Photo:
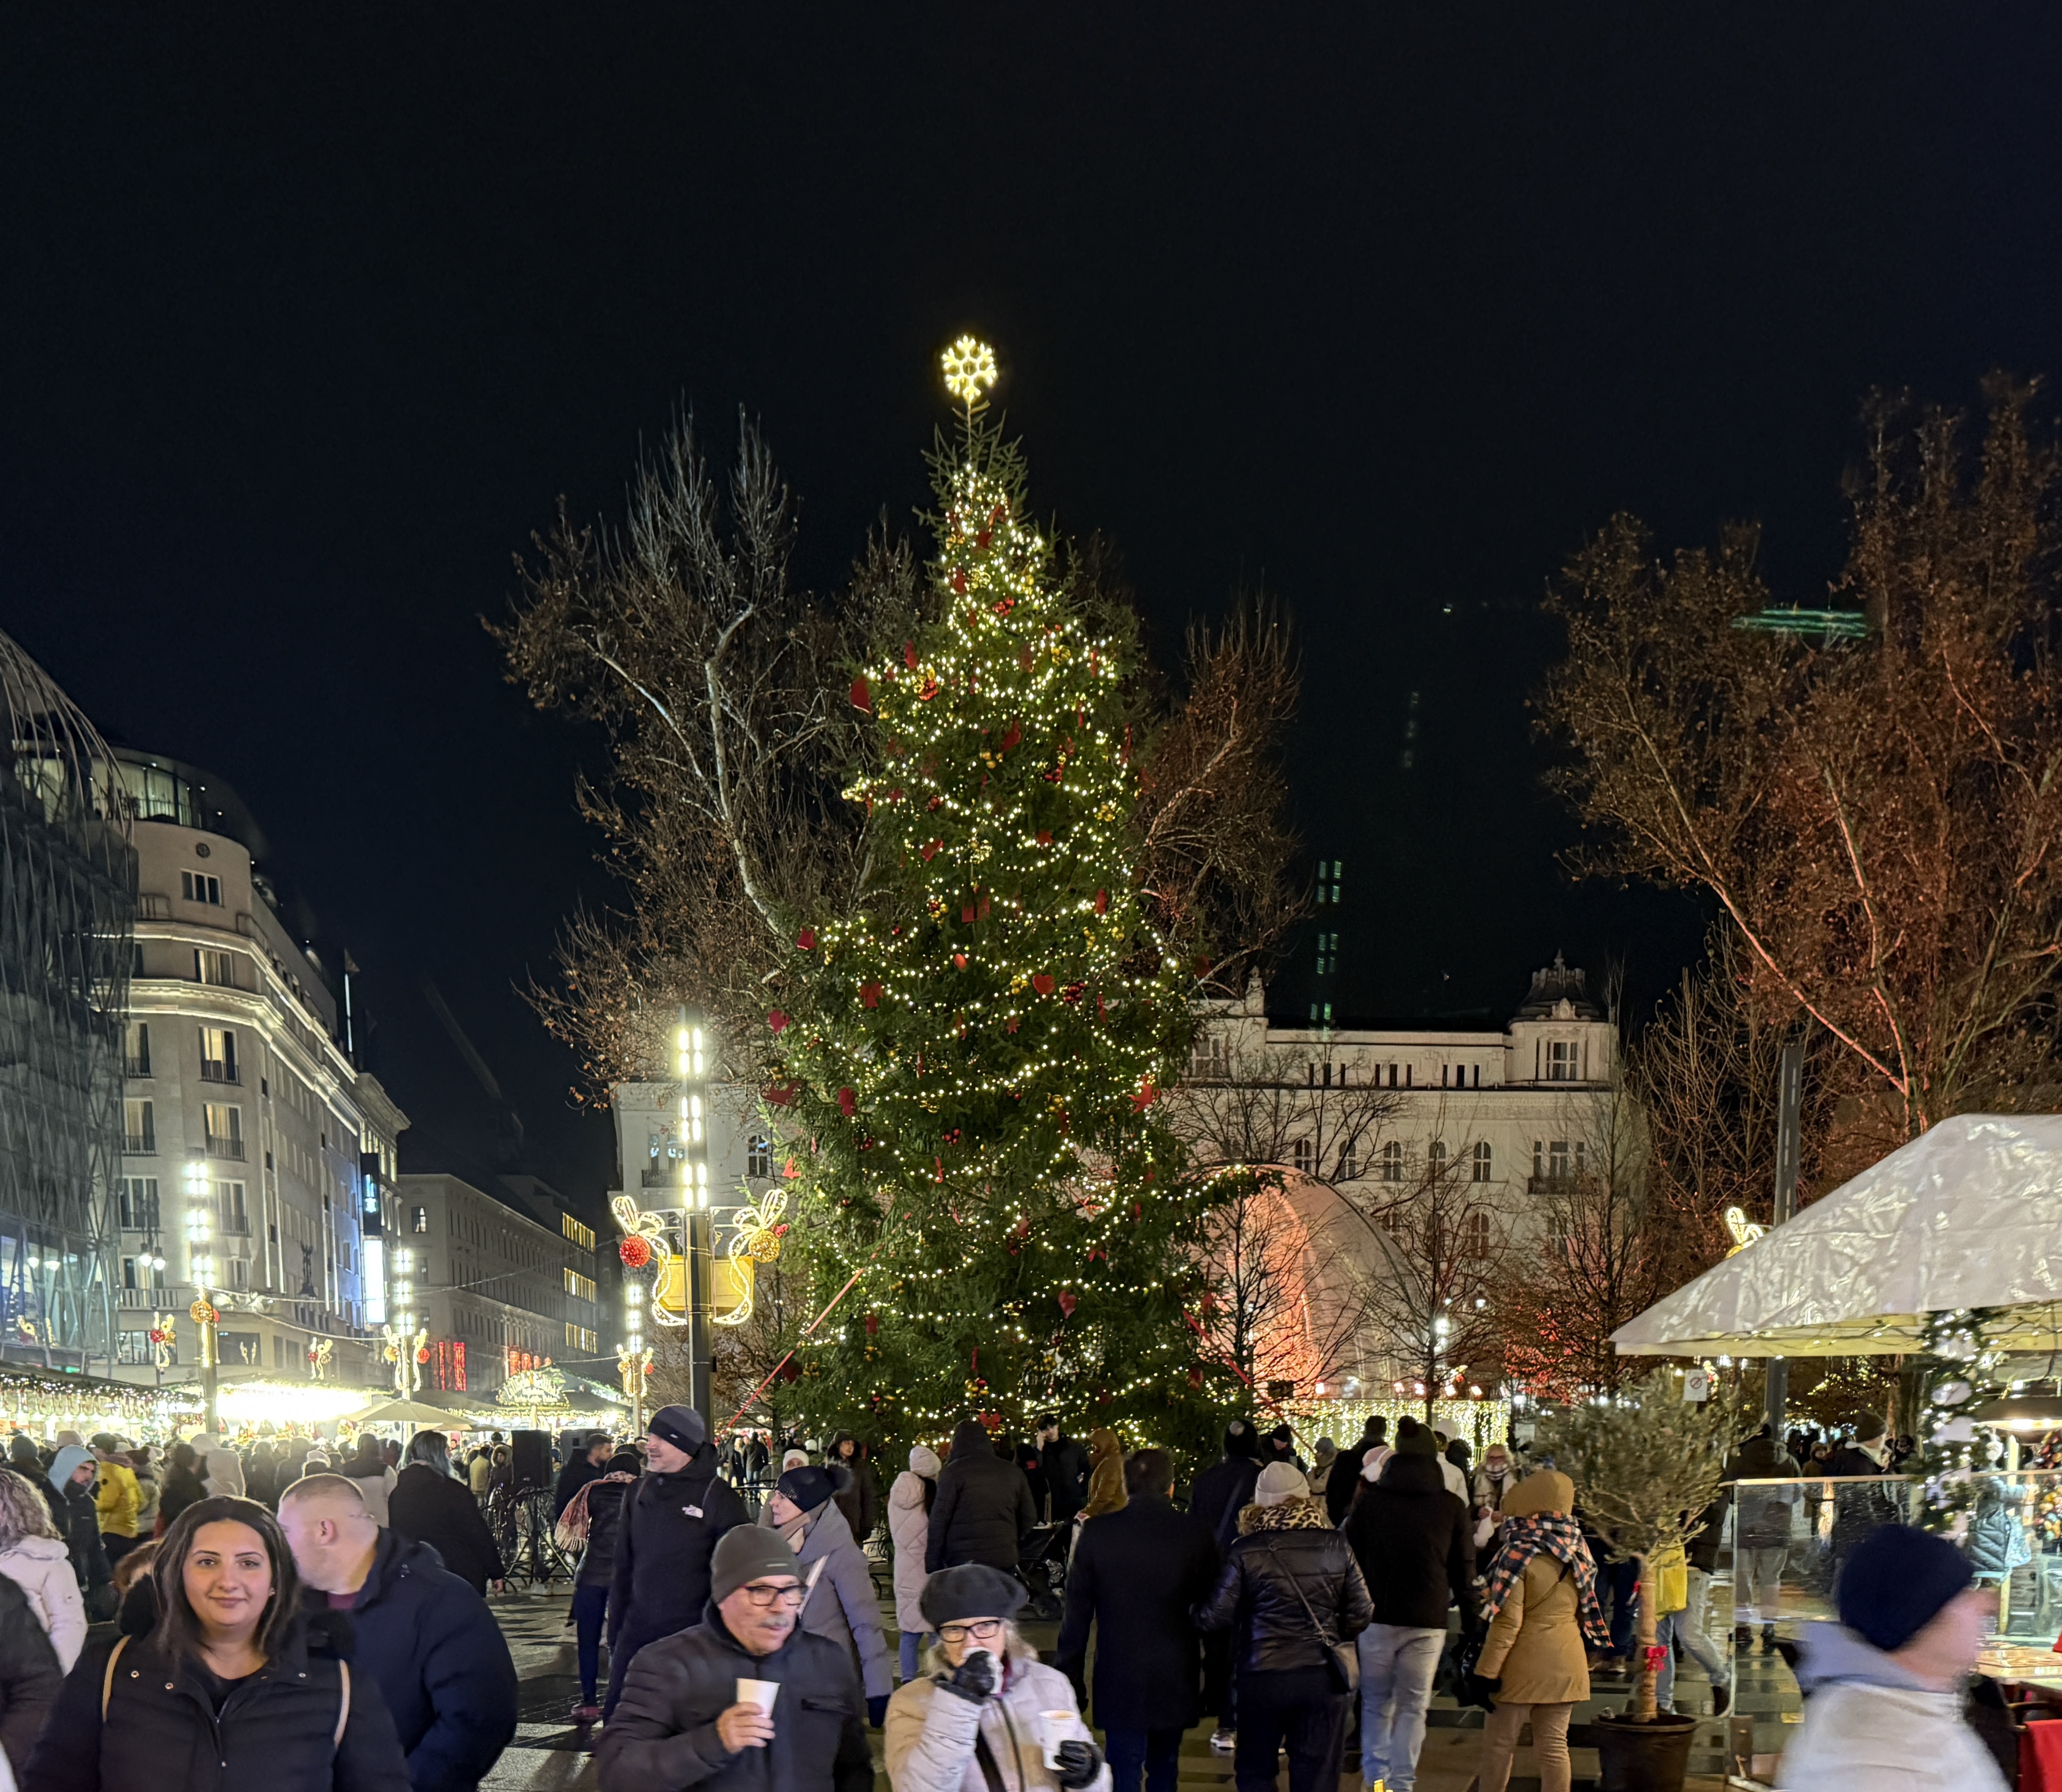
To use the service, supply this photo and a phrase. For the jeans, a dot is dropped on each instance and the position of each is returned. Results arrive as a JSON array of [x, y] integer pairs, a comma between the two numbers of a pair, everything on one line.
[[590, 1605], [1758, 1575], [1155, 1754], [1688, 1628], [1397, 1663], [1619, 1582], [1550, 1746], [912, 1649], [1314, 1730]]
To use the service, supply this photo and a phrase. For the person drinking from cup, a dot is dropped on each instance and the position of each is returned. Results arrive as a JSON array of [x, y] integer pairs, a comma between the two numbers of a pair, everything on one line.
[[987, 1714], [746, 1698]]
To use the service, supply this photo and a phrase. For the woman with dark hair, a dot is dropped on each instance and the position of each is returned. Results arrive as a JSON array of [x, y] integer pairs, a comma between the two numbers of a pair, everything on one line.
[[427, 1505], [233, 1672], [182, 1487]]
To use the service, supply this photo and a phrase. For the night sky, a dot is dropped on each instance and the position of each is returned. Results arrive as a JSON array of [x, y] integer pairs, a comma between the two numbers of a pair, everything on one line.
[[307, 315]]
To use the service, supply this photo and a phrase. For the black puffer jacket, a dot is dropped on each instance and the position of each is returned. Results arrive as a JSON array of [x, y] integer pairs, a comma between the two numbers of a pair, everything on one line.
[[604, 1524], [29, 1676], [1287, 1557], [276, 1729], [1415, 1544], [983, 1511], [669, 1529], [1225, 1489], [433, 1508]]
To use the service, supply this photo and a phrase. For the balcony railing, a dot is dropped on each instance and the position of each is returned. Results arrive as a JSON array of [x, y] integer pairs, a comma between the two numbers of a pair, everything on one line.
[[215, 1070], [237, 1225], [146, 1299], [217, 1147], [136, 1066], [139, 1145]]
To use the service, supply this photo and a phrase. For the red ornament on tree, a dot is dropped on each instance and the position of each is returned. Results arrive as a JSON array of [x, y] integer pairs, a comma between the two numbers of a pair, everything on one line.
[[1102, 902], [1042, 982], [807, 939], [848, 1103], [870, 995], [862, 695], [776, 1019], [1068, 1303], [909, 654], [636, 1252], [873, 1324]]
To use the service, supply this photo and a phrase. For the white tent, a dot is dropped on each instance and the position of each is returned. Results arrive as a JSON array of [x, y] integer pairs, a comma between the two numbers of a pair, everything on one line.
[[1968, 1215]]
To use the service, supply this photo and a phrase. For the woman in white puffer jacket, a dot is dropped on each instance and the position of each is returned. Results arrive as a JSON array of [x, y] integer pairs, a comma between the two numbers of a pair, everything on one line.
[[909, 1529], [34, 1557]]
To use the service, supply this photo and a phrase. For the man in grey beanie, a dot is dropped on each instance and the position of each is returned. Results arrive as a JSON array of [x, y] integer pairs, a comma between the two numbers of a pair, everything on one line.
[[681, 1720]]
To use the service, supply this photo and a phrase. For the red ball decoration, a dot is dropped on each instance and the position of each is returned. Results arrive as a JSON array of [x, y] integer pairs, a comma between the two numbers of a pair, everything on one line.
[[636, 1252]]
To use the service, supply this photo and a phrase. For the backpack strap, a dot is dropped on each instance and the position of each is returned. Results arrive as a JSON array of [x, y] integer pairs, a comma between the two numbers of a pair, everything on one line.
[[343, 1712], [107, 1679]]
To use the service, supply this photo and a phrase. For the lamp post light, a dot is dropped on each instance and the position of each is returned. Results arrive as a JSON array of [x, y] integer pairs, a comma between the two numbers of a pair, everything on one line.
[[405, 1342], [691, 1070], [200, 1260]]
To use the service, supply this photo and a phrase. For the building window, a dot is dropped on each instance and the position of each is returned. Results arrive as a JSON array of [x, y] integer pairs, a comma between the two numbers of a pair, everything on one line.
[[218, 1054], [580, 1287], [1557, 1159], [1481, 1159], [1435, 1158], [224, 1126], [1561, 1060], [137, 1197], [1302, 1150], [239, 1273], [1348, 1164], [217, 967], [136, 1049], [139, 1128], [758, 1154], [1392, 1161], [229, 1201], [578, 1337], [418, 1219], [1210, 1059], [575, 1233], [200, 886], [1474, 1233], [135, 1347]]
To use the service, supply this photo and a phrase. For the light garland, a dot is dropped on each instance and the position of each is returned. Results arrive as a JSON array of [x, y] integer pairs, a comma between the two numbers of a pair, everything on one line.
[[1955, 1447]]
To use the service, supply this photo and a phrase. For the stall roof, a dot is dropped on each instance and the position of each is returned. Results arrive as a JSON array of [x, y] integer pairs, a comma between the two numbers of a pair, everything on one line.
[[1968, 1215]]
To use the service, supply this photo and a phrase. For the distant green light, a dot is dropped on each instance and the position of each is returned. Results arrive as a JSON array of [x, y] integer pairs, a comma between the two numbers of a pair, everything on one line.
[[1827, 625]]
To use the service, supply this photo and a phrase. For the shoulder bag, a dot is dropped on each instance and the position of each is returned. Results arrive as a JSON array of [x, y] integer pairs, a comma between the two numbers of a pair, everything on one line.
[[1343, 1659]]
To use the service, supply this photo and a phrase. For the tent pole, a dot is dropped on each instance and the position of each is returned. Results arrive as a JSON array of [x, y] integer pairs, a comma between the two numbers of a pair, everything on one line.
[[1789, 1149]]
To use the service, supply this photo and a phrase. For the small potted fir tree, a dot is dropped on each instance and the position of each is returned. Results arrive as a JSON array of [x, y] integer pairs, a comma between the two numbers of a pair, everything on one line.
[[1646, 1463]]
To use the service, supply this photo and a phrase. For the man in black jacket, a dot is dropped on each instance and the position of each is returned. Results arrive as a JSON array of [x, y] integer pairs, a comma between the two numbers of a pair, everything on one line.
[[583, 1466], [679, 1721], [982, 1511], [443, 1665], [1415, 1545], [672, 1519], [1066, 1466], [431, 1507], [1221, 1493], [1138, 1573], [1345, 1473]]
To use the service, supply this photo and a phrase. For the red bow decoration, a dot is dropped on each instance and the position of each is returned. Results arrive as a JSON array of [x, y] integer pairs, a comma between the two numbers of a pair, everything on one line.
[[807, 939], [776, 1021], [959, 581], [929, 850], [848, 1103], [781, 1094], [862, 694], [1068, 1303], [870, 995]]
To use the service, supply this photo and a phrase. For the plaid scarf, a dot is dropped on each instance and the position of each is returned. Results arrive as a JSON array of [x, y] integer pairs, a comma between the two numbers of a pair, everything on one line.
[[1550, 1534]]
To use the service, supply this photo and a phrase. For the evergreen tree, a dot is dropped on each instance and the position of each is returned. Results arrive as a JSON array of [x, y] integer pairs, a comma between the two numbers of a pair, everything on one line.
[[975, 1055]]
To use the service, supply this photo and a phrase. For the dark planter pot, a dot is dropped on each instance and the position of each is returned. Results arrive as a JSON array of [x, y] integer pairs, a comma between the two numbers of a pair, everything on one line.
[[1643, 1757]]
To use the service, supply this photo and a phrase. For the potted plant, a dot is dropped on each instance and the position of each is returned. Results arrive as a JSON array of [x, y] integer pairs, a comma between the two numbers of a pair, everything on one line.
[[1645, 1463]]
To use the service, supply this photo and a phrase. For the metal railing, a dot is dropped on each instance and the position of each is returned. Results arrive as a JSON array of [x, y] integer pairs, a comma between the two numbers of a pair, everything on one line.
[[219, 1147], [139, 1145], [215, 1070]]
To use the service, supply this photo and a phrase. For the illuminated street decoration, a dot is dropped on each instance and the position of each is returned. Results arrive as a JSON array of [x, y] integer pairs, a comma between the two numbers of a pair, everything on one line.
[[1744, 1230], [969, 365]]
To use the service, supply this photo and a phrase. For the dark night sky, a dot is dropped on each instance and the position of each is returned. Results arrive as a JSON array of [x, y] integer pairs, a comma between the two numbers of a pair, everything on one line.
[[309, 314]]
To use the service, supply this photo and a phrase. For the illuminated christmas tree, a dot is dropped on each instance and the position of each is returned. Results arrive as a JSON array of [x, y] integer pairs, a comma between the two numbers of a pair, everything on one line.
[[975, 1057]]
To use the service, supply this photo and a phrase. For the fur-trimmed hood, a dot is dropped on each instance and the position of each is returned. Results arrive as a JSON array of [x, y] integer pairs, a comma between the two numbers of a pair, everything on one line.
[[1290, 1515]]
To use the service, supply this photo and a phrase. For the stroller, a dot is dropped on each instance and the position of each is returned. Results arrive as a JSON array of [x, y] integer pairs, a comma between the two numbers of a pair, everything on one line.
[[1042, 1568]]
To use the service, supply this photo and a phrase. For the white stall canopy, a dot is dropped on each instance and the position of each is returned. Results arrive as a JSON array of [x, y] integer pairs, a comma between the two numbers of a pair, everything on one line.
[[1968, 1215]]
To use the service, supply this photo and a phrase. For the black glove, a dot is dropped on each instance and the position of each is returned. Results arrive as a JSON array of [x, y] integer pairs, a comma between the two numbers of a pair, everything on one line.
[[877, 1711], [1482, 1687], [1080, 1762], [973, 1680]]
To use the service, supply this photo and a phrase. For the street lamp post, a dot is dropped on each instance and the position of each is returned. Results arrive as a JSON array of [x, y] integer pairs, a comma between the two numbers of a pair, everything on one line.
[[692, 1068], [200, 1256]]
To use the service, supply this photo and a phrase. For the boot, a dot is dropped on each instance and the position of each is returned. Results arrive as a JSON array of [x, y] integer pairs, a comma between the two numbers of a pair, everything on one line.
[[1722, 1698], [1768, 1639]]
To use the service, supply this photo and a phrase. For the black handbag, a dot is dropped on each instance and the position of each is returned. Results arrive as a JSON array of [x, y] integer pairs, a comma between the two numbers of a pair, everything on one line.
[[1343, 1659]]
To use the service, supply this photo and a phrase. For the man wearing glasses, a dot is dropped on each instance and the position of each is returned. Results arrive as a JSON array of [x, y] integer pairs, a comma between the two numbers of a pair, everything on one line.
[[695, 1709]]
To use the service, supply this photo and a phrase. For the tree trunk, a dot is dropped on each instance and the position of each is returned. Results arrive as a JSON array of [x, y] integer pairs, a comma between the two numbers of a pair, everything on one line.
[[1644, 1705]]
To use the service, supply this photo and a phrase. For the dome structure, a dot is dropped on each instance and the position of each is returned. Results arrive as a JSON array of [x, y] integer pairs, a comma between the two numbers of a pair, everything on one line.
[[67, 909]]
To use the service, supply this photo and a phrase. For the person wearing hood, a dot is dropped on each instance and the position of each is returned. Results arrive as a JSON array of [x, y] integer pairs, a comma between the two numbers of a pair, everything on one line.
[[431, 1507], [1540, 1597], [221, 1467], [596, 1512], [983, 1512], [1291, 1593], [1884, 1686], [909, 1502], [1342, 1480], [181, 1485], [1221, 1493], [840, 1602], [34, 1557], [859, 1498], [672, 1520], [1323, 1453], [442, 1664], [367, 1465], [116, 1497], [680, 1722], [1415, 1547], [1106, 1492], [148, 1490], [1493, 1479], [78, 1519], [1066, 1468]]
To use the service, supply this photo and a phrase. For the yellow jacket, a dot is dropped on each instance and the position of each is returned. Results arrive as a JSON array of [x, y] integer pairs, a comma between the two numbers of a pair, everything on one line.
[[118, 1498], [1670, 1571]]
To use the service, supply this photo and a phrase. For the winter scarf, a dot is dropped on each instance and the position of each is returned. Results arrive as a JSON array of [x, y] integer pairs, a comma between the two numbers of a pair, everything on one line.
[[1548, 1533], [573, 1523]]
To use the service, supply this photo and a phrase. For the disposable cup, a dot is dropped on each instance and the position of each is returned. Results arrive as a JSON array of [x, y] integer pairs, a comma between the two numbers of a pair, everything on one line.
[[760, 1693], [1054, 1728]]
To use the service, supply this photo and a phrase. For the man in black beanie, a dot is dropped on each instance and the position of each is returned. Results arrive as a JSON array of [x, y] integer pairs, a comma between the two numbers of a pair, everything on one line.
[[672, 1520], [1886, 1683], [1346, 1466]]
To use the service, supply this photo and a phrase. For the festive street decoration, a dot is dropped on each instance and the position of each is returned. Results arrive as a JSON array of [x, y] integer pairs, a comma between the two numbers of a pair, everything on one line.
[[646, 1242], [321, 1353], [754, 1239], [1961, 1368], [405, 1354], [164, 1340]]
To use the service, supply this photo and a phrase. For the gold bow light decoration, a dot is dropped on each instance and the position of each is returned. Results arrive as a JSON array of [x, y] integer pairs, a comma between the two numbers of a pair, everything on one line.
[[755, 1240], [645, 1241], [1744, 1230], [633, 1366], [320, 1355], [404, 1353], [164, 1339]]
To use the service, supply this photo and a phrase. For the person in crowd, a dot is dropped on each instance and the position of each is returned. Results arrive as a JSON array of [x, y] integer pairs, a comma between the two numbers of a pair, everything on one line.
[[431, 1507], [1493, 1479], [1292, 1593], [1221, 1493], [443, 1668], [137, 1593], [1540, 1597], [1457, 1481], [34, 1557], [392, 1450], [597, 1510], [589, 1462], [1860, 1510], [146, 1472], [1281, 1445], [235, 1686], [1342, 1480], [78, 1519], [367, 1465], [1761, 1537], [1066, 1465], [860, 1499], [116, 1496], [672, 1521], [1415, 1544], [794, 1456], [22, 1456], [1106, 1481], [181, 1485], [1668, 1573], [841, 1604], [1137, 1575], [1884, 1686], [756, 1460], [501, 1471], [261, 1474], [983, 1512], [30, 1678], [909, 1502], [1026, 1457], [989, 1700], [1702, 1562], [1323, 1453], [222, 1469], [679, 1721], [1461, 1455], [479, 1466]]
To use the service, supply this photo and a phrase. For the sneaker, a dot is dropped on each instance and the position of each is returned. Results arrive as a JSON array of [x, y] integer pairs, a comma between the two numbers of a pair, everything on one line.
[[1223, 1741], [587, 1713], [1722, 1697], [1743, 1637], [1768, 1639]]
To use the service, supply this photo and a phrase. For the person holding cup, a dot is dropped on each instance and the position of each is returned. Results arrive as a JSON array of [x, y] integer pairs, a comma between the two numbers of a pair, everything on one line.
[[746, 1698], [989, 1715]]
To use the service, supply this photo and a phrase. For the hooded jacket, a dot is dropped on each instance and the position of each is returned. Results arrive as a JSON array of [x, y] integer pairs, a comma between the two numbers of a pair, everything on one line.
[[429, 1506], [983, 1511], [909, 1529], [116, 1497], [1415, 1545], [1287, 1557], [1764, 1519], [76, 1516], [1342, 1477], [41, 1566], [375, 1483], [1105, 1474], [1870, 1727], [1225, 1489]]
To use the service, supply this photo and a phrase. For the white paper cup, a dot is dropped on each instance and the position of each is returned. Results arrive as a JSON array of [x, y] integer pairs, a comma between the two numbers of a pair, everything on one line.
[[1054, 1728], [760, 1693]]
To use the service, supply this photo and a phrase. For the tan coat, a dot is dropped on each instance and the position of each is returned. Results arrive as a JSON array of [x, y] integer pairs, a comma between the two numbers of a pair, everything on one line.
[[1535, 1642]]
